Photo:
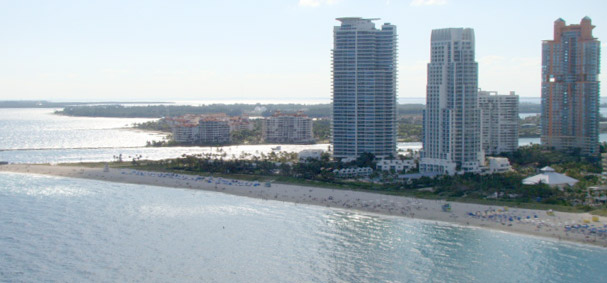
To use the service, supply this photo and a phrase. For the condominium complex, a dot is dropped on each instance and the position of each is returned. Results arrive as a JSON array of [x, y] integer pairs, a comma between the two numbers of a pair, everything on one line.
[[241, 123], [201, 129], [213, 131], [288, 128], [452, 128], [364, 89], [570, 88], [499, 121]]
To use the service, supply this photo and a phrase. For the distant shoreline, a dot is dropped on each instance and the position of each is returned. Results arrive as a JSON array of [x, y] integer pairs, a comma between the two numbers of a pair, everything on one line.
[[10, 104], [539, 222]]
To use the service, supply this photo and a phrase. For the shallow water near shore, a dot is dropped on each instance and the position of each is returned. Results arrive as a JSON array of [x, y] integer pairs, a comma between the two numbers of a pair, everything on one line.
[[63, 229]]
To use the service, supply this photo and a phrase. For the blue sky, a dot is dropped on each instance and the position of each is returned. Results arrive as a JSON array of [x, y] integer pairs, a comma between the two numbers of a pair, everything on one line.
[[263, 50]]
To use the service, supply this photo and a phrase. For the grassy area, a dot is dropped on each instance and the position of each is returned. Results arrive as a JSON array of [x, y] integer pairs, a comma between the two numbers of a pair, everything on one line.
[[599, 212]]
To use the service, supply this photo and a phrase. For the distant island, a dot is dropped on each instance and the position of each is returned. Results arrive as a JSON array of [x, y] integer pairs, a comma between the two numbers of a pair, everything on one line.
[[159, 111], [409, 116], [49, 104]]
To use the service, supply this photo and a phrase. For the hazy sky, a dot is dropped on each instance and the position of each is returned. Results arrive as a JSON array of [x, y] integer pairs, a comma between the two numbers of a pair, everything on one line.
[[262, 50]]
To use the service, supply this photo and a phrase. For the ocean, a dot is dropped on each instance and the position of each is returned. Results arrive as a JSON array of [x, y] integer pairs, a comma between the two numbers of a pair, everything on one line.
[[75, 230], [64, 229]]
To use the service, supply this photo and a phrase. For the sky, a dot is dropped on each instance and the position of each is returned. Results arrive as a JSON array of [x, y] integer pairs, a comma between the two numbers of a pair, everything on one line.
[[256, 51]]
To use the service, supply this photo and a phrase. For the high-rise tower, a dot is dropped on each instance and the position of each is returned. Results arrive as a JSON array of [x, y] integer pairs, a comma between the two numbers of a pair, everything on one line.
[[452, 128], [499, 121], [570, 88], [364, 89]]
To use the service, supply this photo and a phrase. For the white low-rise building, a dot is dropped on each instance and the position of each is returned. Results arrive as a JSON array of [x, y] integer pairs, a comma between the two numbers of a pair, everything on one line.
[[550, 177], [310, 154], [353, 172], [395, 165], [498, 165]]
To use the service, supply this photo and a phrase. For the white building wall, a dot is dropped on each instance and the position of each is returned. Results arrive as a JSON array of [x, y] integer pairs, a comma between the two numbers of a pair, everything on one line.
[[310, 153], [288, 129], [498, 164], [452, 129], [213, 132], [185, 134], [396, 165], [499, 122], [364, 89]]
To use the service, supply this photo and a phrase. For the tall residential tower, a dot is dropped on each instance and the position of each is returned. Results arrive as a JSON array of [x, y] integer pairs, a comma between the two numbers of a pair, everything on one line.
[[452, 128], [364, 89], [570, 88], [499, 121]]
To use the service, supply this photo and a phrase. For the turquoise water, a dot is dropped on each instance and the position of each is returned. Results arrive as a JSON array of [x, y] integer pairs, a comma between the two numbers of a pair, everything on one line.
[[62, 229]]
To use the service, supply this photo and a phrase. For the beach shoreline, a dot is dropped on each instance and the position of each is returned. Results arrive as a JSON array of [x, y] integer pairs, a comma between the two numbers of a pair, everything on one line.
[[565, 226]]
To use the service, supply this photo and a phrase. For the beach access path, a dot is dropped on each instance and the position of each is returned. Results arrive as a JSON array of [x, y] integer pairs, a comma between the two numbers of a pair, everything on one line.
[[576, 227]]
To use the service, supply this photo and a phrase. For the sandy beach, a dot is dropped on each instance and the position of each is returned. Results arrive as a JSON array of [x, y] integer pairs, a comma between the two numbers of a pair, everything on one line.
[[575, 227]]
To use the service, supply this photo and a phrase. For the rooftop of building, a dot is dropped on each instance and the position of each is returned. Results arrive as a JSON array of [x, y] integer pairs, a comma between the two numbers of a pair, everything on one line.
[[494, 93], [550, 177], [297, 114], [452, 34], [584, 27]]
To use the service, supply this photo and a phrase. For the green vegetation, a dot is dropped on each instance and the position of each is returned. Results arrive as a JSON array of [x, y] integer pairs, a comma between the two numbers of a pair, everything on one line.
[[410, 128], [410, 109], [496, 189], [322, 130], [535, 156], [600, 212], [248, 136], [159, 125], [158, 111], [507, 188], [529, 127]]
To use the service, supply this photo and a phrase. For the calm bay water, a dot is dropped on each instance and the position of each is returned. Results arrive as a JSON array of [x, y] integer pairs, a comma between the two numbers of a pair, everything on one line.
[[41, 129], [62, 229], [39, 136]]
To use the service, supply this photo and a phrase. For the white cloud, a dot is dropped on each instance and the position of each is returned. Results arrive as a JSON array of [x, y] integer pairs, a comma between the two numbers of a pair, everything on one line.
[[316, 3], [417, 3]]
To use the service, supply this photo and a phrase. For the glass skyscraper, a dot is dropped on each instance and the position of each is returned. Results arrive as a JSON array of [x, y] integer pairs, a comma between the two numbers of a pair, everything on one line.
[[570, 88], [452, 128], [364, 89]]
